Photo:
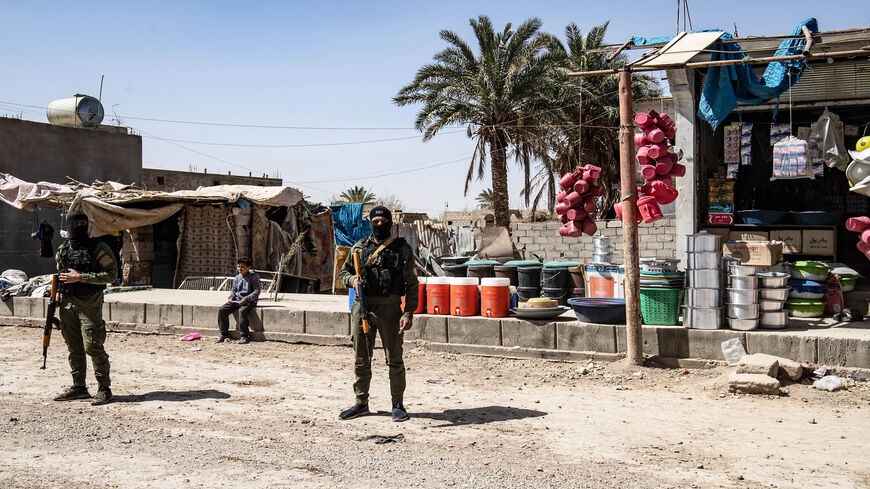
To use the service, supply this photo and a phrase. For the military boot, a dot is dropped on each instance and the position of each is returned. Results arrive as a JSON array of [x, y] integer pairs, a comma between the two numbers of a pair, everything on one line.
[[73, 393], [104, 396]]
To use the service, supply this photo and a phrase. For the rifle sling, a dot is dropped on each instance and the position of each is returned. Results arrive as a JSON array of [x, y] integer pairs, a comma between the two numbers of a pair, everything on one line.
[[378, 251]]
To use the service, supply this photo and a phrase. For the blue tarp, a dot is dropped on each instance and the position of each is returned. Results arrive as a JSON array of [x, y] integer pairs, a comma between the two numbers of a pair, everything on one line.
[[724, 86], [349, 224]]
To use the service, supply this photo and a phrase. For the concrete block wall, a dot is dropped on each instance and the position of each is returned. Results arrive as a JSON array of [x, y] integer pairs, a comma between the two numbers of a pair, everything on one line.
[[656, 240]]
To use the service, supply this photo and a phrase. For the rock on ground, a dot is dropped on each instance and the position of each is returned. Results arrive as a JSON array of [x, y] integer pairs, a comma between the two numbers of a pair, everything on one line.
[[758, 363], [752, 383]]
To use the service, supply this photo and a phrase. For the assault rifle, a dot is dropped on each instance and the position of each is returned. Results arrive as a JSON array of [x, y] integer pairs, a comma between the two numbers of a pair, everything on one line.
[[50, 320], [363, 310]]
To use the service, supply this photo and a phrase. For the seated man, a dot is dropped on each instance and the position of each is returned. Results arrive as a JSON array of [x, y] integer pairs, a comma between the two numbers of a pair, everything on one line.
[[246, 291]]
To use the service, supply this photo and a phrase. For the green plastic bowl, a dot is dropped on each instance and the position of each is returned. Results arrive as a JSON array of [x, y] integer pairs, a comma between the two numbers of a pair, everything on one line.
[[561, 264], [847, 283], [805, 308], [810, 270]]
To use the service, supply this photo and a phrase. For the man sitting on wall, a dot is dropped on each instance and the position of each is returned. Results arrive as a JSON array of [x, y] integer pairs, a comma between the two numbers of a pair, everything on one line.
[[246, 291]]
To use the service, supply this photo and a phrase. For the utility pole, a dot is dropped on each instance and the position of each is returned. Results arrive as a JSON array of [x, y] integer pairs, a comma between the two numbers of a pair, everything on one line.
[[627, 174]]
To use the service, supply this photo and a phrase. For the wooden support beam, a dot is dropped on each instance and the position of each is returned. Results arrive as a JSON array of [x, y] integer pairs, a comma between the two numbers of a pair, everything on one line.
[[808, 36], [622, 48], [628, 196]]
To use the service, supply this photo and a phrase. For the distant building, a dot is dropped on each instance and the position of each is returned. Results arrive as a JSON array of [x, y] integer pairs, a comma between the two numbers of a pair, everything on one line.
[[35, 151], [172, 180]]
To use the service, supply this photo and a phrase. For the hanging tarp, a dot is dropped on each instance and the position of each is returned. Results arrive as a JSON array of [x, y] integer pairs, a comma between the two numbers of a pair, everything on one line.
[[319, 264], [107, 218], [348, 224], [205, 242], [15, 191], [724, 86]]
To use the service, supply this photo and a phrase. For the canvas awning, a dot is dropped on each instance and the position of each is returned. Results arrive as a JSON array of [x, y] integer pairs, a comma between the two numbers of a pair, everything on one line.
[[683, 47]]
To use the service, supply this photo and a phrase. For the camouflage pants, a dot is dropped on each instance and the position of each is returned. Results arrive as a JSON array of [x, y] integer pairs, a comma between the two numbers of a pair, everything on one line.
[[383, 319], [84, 332]]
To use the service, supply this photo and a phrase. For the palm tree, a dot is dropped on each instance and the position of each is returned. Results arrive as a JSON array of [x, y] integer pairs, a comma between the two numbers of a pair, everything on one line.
[[502, 93], [356, 195], [594, 103], [485, 199]]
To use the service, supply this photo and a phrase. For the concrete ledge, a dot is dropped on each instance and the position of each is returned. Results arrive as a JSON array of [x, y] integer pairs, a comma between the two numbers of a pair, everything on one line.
[[474, 331], [28, 307], [577, 336], [651, 338], [708, 343], [516, 352], [126, 312], [429, 328], [783, 344], [7, 307], [164, 314], [281, 320], [844, 351], [327, 323], [528, 334]]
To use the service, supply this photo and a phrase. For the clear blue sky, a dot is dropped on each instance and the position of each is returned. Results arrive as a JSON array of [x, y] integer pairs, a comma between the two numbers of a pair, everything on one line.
[[334, 64]]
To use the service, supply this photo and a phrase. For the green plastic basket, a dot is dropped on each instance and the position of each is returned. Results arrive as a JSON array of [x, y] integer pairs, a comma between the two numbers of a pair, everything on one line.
[[660, 306]]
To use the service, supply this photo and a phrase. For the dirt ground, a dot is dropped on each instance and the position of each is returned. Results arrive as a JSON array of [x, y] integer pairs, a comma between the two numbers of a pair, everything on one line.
[[202, 414]]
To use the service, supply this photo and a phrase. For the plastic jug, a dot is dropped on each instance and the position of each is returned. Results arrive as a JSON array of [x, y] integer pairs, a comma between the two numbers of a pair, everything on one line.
[[649, 209], [438, 295], [463, 296]]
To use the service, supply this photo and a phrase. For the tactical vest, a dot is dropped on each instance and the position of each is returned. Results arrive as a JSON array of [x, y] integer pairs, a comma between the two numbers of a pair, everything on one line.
[[79, 260], [383, 277]]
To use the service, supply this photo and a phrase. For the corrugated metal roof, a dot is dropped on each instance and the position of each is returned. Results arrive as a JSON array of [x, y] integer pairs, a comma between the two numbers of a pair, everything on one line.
[[829, 82]]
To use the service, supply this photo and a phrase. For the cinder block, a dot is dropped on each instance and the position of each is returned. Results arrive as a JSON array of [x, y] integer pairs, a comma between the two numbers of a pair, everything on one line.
[[752, 383], [783, 344], [790, 369], [474, 330], [284, 320], [127, 312], [29, 307], [428, 328], [327, 323], [649, 338], [707, 344], [758, 363], [7, 307], [164, 314], [612, 224], [577, 336], [528, 334], [844, 352]]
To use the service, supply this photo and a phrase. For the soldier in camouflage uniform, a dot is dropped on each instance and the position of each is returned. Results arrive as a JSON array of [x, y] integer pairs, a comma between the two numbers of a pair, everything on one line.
[[387, 277], [86, 265]]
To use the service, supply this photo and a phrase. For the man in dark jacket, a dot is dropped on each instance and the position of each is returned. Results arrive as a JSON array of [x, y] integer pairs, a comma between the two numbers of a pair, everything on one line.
[[86, 265], [388, 271], [244, 295]]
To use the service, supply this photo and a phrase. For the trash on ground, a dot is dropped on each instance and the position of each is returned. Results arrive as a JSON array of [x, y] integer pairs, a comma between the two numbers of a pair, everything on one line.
[[382, 439], [733, 351], [829, 382], [190, 337]]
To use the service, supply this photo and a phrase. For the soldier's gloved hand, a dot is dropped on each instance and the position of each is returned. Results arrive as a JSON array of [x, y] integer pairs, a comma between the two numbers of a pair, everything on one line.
[[405, 324], [70, 277], [356, 284]]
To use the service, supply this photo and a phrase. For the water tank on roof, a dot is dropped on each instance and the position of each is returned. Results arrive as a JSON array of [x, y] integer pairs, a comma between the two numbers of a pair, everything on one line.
[[76, 111]]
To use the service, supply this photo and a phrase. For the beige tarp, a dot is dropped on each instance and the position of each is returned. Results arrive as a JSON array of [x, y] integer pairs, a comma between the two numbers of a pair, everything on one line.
[[108, 218]]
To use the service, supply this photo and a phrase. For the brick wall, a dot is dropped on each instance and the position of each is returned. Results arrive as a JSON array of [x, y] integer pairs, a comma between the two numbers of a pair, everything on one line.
[[656, 240]]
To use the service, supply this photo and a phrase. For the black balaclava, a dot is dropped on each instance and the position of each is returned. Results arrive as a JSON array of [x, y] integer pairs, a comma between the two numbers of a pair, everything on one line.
[[77, 233], [381, 231]]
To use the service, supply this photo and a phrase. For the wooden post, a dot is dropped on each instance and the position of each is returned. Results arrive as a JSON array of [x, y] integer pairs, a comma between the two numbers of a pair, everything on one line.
[[628, 175]]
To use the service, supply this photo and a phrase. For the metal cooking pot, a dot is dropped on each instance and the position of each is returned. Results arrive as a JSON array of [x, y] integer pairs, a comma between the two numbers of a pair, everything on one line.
[[741, 270], [774, 320], [703, 241], [745, 283], [742, 296], [779, 294], [703, 317], [742, 324], [743, 311], [773, 280], [703, 260], [771, 305], [703, 297], [704, 279]]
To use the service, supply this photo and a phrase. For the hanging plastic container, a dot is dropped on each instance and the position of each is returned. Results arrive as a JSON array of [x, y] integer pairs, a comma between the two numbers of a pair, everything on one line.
[[438, 295], [464, 300], [421, 301], [495, 297]]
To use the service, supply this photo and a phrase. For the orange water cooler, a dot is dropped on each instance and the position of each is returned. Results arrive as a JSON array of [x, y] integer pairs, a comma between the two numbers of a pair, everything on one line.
[[464, 300], [438, 295], [495, 297]]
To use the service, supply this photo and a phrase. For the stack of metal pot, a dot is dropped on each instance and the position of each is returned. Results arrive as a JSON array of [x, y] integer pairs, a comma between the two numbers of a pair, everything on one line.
[[774, 292], [601, 250], [742, 300], [704, 281]]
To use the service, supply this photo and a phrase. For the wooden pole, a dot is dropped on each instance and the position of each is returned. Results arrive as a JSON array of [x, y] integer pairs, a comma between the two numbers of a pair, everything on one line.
[[627, 174]]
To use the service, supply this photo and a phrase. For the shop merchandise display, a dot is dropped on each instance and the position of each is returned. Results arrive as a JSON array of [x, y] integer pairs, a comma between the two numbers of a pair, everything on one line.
[[790, 159], [575, 206]]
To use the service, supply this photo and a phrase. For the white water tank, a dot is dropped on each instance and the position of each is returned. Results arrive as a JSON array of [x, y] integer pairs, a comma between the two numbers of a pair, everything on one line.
[[76, 111]]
